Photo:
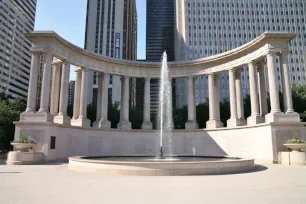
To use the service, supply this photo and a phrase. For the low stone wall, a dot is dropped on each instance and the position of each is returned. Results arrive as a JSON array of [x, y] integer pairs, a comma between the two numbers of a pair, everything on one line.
[[260, 142]]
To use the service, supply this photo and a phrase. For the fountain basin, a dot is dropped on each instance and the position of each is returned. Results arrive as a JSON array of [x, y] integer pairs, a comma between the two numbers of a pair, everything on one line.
[[150, 166]]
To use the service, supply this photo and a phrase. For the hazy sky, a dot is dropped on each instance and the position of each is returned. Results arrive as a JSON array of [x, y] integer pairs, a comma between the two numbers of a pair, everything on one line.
[[68, 19]]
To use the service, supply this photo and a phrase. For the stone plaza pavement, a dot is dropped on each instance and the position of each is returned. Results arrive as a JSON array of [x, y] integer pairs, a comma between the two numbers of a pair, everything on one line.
[[55, 184]]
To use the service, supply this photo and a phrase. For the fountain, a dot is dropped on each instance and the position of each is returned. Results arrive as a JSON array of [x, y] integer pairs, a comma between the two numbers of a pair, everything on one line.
[[161, 164]]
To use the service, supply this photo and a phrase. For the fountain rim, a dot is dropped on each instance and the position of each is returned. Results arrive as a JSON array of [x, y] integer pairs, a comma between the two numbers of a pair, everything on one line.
[[90, 159]]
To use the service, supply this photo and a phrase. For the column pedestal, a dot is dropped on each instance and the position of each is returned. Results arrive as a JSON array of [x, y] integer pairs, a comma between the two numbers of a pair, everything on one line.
[[125, 125], [213, 124], [234, 122], [36, 117], [82, 122], [191, 125], [254, 120], [279, 117], [147, 125], [62, 119]]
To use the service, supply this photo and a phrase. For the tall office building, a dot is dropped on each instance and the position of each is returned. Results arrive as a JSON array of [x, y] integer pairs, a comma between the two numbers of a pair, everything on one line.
[[160, 38], [16, 19], [210, 27], [71, 92], [111, 30]]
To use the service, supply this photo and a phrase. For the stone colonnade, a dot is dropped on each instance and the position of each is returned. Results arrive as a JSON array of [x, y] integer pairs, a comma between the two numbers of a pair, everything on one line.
[[59, 95]]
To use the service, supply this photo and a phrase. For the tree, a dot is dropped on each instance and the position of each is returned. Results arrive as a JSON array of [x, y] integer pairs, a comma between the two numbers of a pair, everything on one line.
[[10, 110]]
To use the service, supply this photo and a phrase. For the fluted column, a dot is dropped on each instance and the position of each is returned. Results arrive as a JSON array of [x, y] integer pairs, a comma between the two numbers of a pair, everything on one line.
[[55, 88], [192, 119], [239, 96], [263, 102], [103, 122], [77, 94], [288, 104], [147, 124], [99, 99], [255, 117], [32, 92], [45, 84], [62, 117], [124, 122], [214, 105], [83, 120], [232, 122]]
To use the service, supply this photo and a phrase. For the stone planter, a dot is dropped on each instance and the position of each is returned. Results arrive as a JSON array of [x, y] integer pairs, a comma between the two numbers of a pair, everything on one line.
[[295, 147], [23, 147]]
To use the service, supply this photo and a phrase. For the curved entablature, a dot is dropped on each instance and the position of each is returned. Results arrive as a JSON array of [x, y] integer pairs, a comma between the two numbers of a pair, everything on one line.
[[51, 42]]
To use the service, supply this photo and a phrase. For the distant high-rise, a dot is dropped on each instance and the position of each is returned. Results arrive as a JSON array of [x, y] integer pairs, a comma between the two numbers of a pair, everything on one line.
[[206, 28], [160, 38], [16, 19], [71, 92], [111, 30]]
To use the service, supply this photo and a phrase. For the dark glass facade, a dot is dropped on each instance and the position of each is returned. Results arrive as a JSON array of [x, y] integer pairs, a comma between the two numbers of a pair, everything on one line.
[[160, 29]]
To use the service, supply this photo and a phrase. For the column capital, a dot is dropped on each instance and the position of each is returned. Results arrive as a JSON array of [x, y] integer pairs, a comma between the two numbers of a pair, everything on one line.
[[260, 63], [284, 53], [57, 61], [272, 52], [78, 69]]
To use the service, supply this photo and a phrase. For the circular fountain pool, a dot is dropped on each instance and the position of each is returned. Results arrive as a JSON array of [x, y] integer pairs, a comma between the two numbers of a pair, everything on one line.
[[167, 166]]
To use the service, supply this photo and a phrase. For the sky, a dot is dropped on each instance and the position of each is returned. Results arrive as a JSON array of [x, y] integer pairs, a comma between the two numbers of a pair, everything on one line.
[[68, 19]]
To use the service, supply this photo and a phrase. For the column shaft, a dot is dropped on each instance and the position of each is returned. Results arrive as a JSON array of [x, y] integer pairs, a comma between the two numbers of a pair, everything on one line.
[[99, 98], [211, 92], [217, 100], [287, 93], [64, 89], [124, 110], [55, 89], [191, 99], [253, 90], [45, 85], [233, 98], [32, 92], [274, 97], [263, 102], [239, 96], [104, 123], [77, 94], [147, 103], [84, 86]]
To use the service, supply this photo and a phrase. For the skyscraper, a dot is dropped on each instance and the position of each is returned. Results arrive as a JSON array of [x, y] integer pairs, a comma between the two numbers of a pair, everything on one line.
[[210, 27], [111, 30], [160, 37], [17, 18]]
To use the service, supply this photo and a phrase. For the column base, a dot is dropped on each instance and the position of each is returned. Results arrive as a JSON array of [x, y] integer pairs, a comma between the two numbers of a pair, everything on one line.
[[103, 124], [283, 117], [125, 125], [213, 124], [254, 120], [63, 120], [235, 122], [147, 125], [191, 125], [81, 122], [36, 117]]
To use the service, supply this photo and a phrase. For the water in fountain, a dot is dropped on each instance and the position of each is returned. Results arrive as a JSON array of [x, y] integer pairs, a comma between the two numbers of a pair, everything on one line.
[[165, 107]]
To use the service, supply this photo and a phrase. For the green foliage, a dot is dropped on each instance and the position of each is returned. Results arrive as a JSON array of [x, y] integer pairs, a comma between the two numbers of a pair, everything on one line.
[[295, 140], [299, 100], [10, 110], [23, 139], [136, 117]]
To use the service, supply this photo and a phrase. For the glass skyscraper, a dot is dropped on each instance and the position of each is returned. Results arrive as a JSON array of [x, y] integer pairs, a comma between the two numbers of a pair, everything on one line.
[[210, 27]]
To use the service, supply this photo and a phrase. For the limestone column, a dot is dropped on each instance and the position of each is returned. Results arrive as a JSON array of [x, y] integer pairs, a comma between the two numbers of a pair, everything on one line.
[[147, 124], [125, 123], [214, 106], [62, 117], [192, 119], [288, 104], [77, 94], [103, 122], [83, 120], [32, 92], [45, 85], [99, 100], [263, 102], [274, 97], [255, 117], [55, 88], [233, 121], [239, 96]]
